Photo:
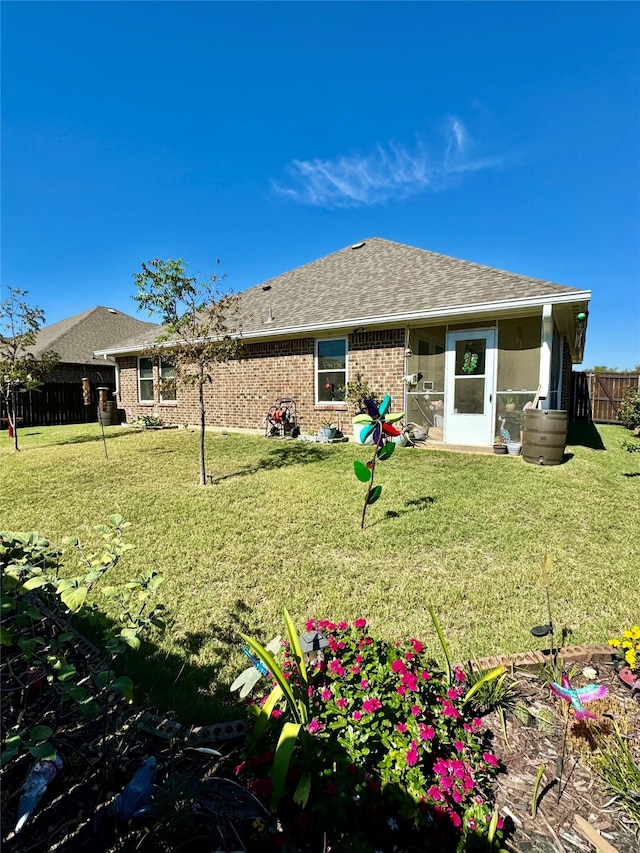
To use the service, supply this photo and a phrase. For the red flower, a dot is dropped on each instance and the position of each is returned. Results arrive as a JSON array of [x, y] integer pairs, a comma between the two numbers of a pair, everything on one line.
[[360, 623]]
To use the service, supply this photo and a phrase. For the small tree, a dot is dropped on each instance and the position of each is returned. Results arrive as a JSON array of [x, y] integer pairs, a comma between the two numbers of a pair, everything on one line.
[[200, 324], [20, 370]]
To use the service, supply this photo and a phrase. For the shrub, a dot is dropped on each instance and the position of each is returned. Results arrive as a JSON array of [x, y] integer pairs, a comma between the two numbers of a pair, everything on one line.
[[629, 411], [391, 749]]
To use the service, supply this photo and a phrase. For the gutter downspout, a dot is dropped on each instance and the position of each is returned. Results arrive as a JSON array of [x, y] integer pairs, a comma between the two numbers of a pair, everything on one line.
[[546, 344]]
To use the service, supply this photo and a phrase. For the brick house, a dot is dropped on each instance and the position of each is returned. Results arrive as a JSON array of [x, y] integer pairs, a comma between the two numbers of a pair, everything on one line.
[[74, 339], [460, 346]]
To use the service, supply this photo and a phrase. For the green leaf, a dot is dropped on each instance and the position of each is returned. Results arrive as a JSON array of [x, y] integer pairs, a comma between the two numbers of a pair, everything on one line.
[[490, 675], [374, 494], [40, 733], [300, 713], [386, 450], [74, 598], [27, 647], [295, 648], [362, 419], [43, 752], [281, 761], [7, 755], [67, 673], [5, 636], [265, 711], [362, 472], [34, 583], [125, 686], [301, 795], [443, 643]]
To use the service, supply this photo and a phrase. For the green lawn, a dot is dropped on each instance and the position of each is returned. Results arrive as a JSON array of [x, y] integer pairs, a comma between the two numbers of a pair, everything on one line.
[[281, 527]]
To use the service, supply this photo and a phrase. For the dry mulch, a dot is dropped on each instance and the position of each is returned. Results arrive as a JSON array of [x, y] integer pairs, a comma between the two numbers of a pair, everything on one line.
[[527, 747]]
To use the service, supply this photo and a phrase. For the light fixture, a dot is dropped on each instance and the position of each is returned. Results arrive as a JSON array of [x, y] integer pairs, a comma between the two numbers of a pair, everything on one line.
[[359, 330]]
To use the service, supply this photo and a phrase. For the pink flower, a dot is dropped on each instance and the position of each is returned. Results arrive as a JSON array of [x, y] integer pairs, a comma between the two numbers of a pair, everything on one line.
[[355, 669], [369, 706], [402, 727], [456, 796], [426, 732], [398, 666], [409, 680], [342, 702], [417, 646], [336, 667], [357, 716], [314, 726], [401, 689], [325, 694], [424, 675], [452, 694], [490, 759], [477, 722], [416, 710], [435, 793], [409, 656], [412, 754], [359, 659], [333, 645], [459, 745], [364, 684], [456, 820], [449, 711], [310, 625], [276, 713], [360, 623], [343, 626], [459, 675]]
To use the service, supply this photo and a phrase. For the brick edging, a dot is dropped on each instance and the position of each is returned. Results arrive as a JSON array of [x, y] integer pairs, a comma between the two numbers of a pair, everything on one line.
[[536, 659]]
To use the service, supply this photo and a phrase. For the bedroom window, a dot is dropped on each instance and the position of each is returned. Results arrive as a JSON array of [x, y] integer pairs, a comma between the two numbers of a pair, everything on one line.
[[145, 380], [331, 370]]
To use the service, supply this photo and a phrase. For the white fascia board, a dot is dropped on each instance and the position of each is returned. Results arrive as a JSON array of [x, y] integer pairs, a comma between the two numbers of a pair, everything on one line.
[[393, 319]]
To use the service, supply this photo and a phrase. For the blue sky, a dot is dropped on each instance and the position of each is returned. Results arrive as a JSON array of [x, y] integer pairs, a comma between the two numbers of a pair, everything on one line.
[[267, 135]]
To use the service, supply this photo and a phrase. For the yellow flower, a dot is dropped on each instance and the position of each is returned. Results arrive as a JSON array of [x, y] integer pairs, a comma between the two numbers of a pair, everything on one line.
[[614, 642]]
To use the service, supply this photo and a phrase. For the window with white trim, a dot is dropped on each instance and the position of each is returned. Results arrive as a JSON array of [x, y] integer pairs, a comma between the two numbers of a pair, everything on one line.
[[331, 369], [145, 380], [167, 382]]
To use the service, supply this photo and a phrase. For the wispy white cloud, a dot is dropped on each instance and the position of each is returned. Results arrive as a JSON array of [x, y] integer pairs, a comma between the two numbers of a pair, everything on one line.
[[387, 174]]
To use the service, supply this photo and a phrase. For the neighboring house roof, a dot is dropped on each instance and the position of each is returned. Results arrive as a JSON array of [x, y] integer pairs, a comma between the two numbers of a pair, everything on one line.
[[378, 283], [77, 338]]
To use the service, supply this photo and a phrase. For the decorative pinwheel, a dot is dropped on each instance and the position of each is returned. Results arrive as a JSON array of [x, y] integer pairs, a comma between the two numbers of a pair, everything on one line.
[[377, 424], [577, 696]]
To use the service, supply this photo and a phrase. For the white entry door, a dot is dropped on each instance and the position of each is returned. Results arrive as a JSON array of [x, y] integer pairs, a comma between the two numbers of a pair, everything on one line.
[[470, 372]]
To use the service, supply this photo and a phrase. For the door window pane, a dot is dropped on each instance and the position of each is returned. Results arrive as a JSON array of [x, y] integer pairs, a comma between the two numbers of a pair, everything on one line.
[[469, 396], [470, 357]]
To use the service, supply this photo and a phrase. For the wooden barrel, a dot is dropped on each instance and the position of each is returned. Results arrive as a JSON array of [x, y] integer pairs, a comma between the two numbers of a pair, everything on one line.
[[108, 417], [545, 436]]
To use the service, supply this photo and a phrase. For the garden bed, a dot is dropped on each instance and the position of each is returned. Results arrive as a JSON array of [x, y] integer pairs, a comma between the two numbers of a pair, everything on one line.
[[101, 756]]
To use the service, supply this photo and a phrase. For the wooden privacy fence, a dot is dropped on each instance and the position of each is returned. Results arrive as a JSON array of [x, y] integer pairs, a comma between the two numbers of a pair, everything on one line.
[[53, 404], [597, 396]]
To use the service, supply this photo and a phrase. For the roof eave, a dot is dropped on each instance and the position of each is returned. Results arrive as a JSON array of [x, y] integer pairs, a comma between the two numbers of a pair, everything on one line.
[[499, 306]]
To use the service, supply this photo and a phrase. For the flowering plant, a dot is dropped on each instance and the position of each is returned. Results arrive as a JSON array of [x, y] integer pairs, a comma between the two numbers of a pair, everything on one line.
[[628, 647], [392, 749]]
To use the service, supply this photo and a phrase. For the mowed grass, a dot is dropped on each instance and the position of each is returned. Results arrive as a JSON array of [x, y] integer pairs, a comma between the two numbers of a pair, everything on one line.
[[281, 527]]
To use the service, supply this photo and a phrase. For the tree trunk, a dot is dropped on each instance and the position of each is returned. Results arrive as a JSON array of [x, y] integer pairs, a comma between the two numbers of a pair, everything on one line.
[[13, 421], [203, 471]]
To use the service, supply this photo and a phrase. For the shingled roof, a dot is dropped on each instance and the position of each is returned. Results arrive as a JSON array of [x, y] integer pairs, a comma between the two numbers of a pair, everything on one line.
[[77, 338], [379, 278]]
